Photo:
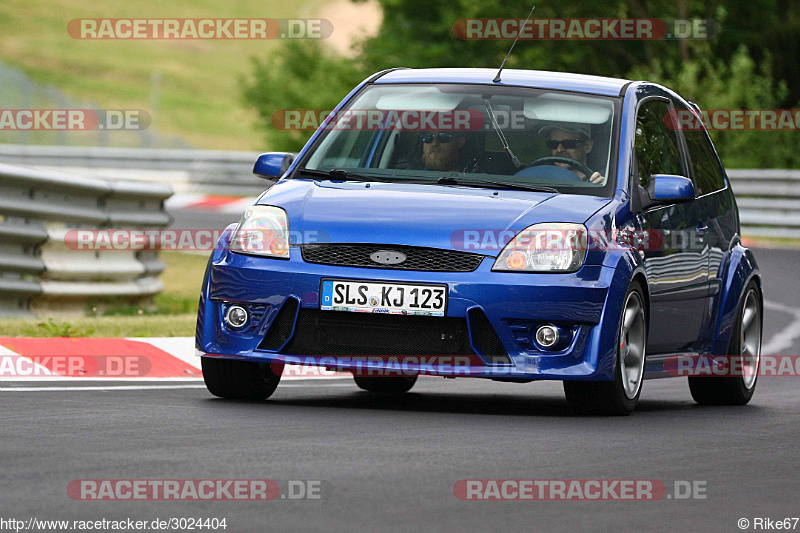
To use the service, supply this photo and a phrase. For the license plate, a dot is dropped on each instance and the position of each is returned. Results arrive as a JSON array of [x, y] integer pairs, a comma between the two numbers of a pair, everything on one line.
[[380, 297]]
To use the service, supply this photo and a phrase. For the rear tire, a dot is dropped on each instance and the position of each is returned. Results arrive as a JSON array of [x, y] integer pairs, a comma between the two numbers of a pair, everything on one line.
[[240, 380], [386, 384], [618, 397], [746, 345]]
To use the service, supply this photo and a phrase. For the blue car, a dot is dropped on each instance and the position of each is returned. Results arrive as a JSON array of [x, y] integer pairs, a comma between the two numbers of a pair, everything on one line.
[[516, 227]]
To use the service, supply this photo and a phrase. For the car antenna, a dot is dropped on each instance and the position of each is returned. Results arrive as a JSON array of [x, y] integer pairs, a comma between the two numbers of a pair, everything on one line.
[[503, 64]]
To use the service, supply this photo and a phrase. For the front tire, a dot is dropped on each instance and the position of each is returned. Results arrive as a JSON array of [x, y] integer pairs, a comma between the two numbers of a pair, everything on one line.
[[240, 380], [744, 352], [618, 397], [386, 384]]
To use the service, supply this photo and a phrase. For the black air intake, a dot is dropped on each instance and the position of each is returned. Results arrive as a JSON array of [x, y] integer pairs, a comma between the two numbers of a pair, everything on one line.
[[341, 333], [281, 328], [485, 339]]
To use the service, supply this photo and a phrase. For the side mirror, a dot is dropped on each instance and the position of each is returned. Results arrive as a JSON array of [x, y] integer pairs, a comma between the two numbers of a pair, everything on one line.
[[665, 189], [272, 165]]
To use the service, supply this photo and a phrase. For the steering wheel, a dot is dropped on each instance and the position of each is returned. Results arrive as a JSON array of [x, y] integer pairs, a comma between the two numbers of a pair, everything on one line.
[[577, 165]]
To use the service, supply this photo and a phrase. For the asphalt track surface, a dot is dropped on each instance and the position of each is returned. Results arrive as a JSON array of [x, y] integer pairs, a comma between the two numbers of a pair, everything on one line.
[[390, 463]]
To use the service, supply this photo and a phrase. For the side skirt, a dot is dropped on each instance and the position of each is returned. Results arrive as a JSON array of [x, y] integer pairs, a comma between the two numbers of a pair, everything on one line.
[[665, 365]]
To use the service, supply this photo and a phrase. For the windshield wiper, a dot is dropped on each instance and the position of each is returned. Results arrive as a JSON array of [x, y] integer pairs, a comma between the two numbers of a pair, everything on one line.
[[344, 175], [340, 174], [449, 180]]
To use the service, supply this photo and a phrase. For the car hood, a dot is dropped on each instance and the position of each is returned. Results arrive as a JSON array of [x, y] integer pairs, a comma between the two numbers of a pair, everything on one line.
[[437, 216]]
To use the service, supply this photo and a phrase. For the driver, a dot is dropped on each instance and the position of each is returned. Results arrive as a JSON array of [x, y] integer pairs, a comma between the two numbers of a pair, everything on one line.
[[572, 140]]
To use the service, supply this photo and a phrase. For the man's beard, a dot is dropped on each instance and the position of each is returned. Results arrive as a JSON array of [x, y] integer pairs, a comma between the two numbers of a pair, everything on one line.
[[439, 162]]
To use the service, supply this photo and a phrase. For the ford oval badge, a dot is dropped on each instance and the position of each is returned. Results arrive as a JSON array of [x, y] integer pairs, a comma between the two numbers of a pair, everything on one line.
[[388, 257]]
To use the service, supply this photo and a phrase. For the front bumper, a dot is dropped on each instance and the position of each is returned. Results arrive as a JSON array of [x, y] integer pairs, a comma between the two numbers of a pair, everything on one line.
[[585, 304]]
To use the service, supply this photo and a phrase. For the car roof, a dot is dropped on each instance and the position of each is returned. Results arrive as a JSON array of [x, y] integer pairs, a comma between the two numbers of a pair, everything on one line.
[[540, 79]]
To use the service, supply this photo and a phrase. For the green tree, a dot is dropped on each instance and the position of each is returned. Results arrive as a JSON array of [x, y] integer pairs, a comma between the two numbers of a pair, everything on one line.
[[301, 76], [739, 84], [751, 63]]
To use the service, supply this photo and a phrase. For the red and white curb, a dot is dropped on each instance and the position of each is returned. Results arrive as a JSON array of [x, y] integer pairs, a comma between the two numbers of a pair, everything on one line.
[[214, 203], [134, 359]]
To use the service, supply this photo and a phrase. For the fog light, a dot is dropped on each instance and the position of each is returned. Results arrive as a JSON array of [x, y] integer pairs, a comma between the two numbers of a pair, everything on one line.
[[547, 336], [236, 316]]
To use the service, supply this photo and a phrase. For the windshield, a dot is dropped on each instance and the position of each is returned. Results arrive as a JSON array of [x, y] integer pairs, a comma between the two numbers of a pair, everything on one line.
[[471, 135]]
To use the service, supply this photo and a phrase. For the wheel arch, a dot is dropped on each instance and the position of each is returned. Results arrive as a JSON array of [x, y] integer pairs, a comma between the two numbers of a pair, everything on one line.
[[640, 276], [740, 269], [627, 269]]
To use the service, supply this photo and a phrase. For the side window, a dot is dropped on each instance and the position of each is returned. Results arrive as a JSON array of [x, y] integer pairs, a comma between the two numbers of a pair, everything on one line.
[[656, 145], [706, 172]]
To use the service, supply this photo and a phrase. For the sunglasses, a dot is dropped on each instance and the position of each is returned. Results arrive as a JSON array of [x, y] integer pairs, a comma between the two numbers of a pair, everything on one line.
[[568, 144], [441, 137]]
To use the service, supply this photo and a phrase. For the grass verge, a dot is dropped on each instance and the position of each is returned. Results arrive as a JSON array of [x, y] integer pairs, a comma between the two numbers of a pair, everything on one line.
[[198, 92], [767, 242], [106, 326]]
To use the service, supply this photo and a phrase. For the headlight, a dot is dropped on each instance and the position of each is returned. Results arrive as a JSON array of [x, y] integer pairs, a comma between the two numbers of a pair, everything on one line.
[[556, 247], [263, 230]]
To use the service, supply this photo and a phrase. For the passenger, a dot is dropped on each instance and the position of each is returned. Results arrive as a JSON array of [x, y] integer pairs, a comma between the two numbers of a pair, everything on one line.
[[441, 151]]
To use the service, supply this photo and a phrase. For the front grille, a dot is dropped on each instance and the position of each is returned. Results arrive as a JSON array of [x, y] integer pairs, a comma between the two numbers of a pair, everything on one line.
[[340, 333], [424, 259]]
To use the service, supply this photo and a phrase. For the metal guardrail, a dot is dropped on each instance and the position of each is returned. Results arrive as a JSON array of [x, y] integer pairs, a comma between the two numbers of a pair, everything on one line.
[[40, 274], [769, 202], [186, 171]]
